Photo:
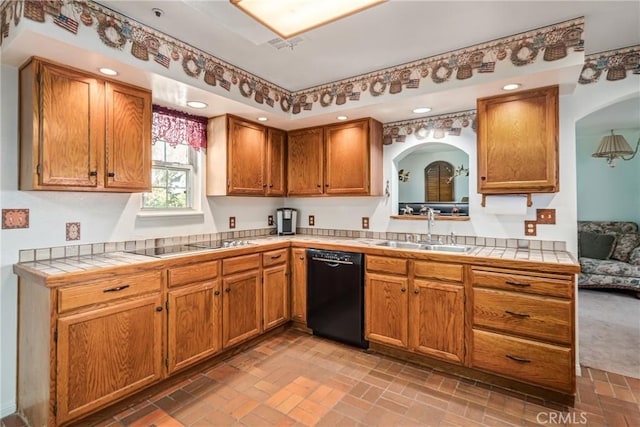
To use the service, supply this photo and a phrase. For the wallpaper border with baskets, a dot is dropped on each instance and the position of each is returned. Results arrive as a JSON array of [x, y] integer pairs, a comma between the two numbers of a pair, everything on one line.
[[120, 32]]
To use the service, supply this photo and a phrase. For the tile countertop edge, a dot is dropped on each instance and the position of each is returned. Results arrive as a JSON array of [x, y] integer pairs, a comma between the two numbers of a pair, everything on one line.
[[47, 274]]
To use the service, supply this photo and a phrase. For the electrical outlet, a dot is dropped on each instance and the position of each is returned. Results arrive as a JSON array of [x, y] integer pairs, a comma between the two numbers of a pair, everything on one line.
[[530, 228], [270, 220], [546, 216], [232, 222], [365, 222], [312, 220], [15, 218]]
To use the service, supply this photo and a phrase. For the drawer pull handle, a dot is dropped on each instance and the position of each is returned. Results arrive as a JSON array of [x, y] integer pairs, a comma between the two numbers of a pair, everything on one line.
[[518, 359], [516, 314], [521, 284], [116, 289], [276, 256]]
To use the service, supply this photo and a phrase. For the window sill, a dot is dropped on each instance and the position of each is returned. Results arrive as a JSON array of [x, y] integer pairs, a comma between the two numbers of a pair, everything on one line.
[[162, 214]]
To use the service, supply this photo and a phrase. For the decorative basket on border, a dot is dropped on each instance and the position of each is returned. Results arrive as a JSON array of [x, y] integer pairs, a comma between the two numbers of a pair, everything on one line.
[[209, 73], [555, 51], [464, 72], [138, 45], [616, 72]]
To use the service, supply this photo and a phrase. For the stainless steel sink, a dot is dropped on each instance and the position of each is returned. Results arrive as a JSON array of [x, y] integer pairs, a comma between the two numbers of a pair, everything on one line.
[[425, 246], [401, 245]]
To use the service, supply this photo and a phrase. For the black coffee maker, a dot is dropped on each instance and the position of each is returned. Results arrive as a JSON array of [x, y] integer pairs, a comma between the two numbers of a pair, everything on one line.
[[286, 221]]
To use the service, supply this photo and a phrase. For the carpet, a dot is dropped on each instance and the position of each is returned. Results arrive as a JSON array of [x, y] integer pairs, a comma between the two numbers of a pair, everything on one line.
[[609, 331]]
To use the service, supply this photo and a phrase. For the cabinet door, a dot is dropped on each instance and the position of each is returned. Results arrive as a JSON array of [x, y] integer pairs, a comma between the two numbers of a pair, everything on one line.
[[276, 162], [128, 144], [437, 319], [305, 162], [275, 296], [194, 324], [387, 309], [71, 122], [241, 307], [108, 353], [299, 285], [347, 158], [246, 158], [518, 142]]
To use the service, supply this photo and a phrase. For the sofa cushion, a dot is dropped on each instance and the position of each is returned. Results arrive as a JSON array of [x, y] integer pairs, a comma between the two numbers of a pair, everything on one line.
[[609, 267], [634, 258], [625, 243], [596, 245]]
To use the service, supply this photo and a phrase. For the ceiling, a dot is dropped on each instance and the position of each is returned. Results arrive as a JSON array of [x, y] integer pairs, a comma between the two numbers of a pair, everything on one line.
[[392, 33]]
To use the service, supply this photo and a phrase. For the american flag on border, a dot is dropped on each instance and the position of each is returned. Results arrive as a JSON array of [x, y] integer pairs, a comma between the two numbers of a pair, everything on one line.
[[413, 84], [162, 60], [225, 84], [487, 67], [67, 23]]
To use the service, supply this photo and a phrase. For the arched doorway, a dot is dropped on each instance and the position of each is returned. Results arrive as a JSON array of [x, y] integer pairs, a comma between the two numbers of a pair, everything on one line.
[[438, 182]]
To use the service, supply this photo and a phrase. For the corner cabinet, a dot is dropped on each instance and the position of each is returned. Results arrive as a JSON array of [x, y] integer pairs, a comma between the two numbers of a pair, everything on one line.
[[245, 158], [336, 160], [80, 132], [518, 142]]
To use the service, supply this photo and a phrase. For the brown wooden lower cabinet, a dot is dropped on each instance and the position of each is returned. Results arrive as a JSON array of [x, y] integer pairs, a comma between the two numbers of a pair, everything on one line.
[[276, 308], [99, 357], [299, 285], [387, 309], [241, 307]]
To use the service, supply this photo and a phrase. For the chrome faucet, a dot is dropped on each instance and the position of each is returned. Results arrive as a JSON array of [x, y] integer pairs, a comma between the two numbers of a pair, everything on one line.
[[430, 223]]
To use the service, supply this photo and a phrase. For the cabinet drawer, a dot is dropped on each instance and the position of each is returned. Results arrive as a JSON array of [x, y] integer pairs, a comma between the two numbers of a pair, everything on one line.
[[386, 265], [108, 290], [240, 263], [557, 287], [538, 317], [530, 361], [439, 270], [274, 257], [193, 273]]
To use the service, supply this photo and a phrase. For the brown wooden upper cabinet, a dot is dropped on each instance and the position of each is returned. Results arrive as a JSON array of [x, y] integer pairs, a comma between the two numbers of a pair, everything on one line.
[[339, 159], [245, 158], [80, 132], [518, 142]]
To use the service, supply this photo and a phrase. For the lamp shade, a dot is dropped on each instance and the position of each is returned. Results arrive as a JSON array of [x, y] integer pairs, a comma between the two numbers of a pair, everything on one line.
[[613, 146]]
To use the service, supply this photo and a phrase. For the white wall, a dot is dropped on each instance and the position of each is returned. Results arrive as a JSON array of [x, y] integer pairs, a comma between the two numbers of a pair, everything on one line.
[[606, 193], [103, 217]]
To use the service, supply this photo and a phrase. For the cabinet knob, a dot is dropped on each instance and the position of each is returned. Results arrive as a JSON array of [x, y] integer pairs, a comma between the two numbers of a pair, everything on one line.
[[111, 174], [302, 258], [326, 185], [270, 185], [264, 185], [227, 290], [159, 309], [403, 290], [483, 178], [93, 173], [416, 291], [216, 293], [318, 185]]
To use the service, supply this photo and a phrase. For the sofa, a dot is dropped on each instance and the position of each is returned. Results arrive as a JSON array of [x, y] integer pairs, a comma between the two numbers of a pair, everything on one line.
[[609, 255]]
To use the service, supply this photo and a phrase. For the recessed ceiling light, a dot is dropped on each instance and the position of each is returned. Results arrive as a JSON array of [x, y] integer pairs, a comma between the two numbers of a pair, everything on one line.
[[342, 117], [108, 71], [196, 104], [421, 110], [262, 119], [511, 86]]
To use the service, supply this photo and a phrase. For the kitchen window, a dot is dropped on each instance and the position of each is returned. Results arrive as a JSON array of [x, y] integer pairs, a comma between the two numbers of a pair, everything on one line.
[[177, 140]]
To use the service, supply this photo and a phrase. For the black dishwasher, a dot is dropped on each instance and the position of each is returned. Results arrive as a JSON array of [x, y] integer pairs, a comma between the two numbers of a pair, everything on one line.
[[335, 295]]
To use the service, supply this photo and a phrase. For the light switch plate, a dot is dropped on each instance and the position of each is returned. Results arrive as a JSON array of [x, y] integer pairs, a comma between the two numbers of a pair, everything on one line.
[[15, 218], [546, 216], [530, 228], [312, 220], [365, 222], [232, 222]]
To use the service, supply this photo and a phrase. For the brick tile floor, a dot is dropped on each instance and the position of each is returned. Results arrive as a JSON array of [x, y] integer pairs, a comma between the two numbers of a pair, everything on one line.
[[294, 379]]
